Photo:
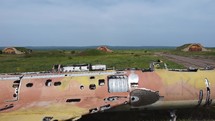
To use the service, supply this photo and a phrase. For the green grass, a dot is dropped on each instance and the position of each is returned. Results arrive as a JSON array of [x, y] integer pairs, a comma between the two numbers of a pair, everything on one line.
[[120, 59], [44, 60]]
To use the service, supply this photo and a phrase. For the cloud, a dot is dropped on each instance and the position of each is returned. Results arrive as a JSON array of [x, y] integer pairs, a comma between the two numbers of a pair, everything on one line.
[[111, 22]]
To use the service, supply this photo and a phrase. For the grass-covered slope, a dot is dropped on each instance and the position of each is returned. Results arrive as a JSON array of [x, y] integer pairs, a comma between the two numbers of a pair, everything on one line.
[[91, 52], [182, 47]]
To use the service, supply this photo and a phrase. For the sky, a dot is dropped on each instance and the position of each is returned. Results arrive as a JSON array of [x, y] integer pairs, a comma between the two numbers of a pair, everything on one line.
[[107, 22]]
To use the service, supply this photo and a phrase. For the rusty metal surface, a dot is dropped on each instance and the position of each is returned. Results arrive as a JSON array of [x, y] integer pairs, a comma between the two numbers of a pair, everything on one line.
[[63, 96]]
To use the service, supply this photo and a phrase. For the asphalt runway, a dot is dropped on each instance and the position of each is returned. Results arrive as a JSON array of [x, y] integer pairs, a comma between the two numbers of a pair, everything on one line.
[[189, 61]]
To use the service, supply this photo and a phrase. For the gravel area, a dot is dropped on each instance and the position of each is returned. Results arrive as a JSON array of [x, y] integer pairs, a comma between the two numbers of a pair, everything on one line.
[[189, 61]]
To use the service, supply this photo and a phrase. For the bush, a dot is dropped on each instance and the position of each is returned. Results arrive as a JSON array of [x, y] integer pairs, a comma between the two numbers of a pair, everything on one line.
[[70, 57], [73, 52], [91, 52]]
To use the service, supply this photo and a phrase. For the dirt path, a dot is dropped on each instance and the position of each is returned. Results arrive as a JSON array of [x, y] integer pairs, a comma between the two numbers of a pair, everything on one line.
[[189, 61]]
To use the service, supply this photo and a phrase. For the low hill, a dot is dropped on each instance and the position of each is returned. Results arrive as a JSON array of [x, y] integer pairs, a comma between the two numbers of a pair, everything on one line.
[[16, 50], [104, 49], [193, 47]]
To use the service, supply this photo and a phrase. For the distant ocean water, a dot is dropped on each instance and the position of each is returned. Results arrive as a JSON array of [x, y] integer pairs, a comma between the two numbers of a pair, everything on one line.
[[93, 47]]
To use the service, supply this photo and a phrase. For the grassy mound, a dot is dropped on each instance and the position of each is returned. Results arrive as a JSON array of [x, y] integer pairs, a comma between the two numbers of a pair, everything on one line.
[[91, 52], [25, 50], [182, 47]]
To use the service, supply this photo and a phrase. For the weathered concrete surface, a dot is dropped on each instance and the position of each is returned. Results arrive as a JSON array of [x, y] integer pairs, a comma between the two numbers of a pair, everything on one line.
[[189, 61]]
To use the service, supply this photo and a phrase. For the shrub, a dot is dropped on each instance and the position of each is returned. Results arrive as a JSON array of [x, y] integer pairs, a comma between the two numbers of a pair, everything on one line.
[[72, 52], [91, 52]]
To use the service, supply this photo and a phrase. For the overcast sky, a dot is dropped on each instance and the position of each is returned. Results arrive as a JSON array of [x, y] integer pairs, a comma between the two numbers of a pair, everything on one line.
[[107, 22]]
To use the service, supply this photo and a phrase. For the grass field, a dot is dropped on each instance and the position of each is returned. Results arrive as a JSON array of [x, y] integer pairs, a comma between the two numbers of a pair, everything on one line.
[[44, 60]]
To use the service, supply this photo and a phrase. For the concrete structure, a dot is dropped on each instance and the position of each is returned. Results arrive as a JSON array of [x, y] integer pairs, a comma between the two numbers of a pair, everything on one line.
[[193, 47], [11, 50], [16, 50], [104, 49]]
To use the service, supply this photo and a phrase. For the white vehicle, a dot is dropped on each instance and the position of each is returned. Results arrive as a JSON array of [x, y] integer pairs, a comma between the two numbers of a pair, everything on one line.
[[76, 68], [99, 67]]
